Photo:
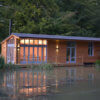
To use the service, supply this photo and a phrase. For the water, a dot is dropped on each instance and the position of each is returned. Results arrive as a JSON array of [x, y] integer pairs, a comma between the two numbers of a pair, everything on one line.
[[62, 83]]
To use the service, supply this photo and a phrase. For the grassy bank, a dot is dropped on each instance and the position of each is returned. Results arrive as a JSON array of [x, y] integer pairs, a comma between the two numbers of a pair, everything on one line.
[[13, 66]]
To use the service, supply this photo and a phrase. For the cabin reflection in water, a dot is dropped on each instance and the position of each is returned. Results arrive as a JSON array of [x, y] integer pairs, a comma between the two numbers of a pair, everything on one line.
[[26, 83]]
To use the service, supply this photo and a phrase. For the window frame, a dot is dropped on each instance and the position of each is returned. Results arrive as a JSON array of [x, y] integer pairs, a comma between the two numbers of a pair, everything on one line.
[[90, 49]]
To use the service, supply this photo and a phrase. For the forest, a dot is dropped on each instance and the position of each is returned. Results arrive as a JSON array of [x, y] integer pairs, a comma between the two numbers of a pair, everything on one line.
[[59, 17]]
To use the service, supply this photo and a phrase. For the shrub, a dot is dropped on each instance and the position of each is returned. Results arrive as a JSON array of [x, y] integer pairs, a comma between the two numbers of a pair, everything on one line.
[[46, 66], [97, 63], [2, 62]]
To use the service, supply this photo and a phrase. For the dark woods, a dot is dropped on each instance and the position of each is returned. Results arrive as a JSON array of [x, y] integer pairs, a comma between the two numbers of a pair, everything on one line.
[[61, 17]]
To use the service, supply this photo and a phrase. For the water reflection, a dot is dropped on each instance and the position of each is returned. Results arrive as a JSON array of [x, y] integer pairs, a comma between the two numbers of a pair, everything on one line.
[[30, 83], [26, 83]]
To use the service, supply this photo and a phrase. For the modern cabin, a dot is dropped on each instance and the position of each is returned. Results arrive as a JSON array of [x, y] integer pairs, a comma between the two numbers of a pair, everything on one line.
[[20, 48]]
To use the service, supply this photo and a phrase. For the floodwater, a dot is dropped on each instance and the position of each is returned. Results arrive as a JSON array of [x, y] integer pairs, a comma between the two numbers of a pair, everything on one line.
[[62, 83]]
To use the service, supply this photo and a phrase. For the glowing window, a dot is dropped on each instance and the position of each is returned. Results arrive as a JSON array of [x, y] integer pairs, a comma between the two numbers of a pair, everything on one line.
[[40, 53], [31, 54], [21, 53], [35, 53], [44, 42], [26, 41], [44, 54], [31, 42], [36, 42], [40, 42], [22, 41]]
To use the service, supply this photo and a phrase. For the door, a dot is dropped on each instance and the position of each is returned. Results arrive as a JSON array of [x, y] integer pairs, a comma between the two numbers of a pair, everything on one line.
[[71, 53], [33, 54], [10, 53]]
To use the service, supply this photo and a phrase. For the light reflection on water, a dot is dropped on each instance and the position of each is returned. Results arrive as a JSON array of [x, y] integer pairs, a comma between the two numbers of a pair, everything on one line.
[[46, 85]]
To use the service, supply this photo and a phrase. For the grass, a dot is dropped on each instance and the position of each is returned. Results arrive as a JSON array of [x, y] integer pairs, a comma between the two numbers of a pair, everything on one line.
[[43, 66], [11, 66], [7, 66], [46, 66]]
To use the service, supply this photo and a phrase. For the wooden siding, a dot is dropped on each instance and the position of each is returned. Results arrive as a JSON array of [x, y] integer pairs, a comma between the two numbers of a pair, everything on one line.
[[58, 57], [81, 52], [4, 50], [54, 56]]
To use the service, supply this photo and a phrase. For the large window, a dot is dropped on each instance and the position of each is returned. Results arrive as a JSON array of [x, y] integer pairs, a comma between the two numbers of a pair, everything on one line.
[[33, 51], [90, 49], [33, 42]]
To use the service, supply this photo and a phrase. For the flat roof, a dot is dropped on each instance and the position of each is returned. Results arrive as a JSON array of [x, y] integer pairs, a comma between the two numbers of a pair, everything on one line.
[[26, 35]]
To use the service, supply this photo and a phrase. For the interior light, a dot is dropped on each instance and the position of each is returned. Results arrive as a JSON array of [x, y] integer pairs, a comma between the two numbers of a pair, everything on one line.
[[31, 41], [40, 42], [57, 48], [22, 41], [36, 42], [18, 45], [26, 41], [45, 42]]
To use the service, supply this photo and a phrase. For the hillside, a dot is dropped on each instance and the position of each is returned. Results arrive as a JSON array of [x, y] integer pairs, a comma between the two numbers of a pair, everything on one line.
[[61, 17]]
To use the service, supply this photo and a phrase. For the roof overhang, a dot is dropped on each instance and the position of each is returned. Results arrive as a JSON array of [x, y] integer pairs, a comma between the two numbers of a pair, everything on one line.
[[9, 38], [57, 37]]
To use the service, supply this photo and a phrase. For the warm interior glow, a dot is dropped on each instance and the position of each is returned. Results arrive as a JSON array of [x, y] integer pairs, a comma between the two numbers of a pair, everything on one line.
[[35, 53], [40, 53], [31, 42], [21, 53], [40, 42], [26, 41], [44, 54], [26, 53], [31, 53], [22, 41], [44, 42], [36, 42], [18, 45]]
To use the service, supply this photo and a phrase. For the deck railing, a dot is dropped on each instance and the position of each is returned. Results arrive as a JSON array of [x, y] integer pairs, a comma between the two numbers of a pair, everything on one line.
[[55, 60], [50, 59]]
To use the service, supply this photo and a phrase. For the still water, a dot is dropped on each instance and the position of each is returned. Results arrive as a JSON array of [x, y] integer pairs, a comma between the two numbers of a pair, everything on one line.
[[62, 83]]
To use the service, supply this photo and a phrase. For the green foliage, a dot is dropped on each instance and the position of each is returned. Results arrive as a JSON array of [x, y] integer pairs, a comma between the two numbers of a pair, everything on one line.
[[7, 66], [43, 66], [62, 17], [98, 63], [11, 66], [46, 66], [0, 49], [2, 62]]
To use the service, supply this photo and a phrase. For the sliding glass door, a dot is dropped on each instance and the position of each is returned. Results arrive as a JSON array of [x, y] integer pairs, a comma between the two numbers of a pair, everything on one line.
[[33, 51], [33, 54], [71, 52]]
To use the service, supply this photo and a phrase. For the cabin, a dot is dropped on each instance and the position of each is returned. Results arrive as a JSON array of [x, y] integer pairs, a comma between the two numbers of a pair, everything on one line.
[[21, 48]]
